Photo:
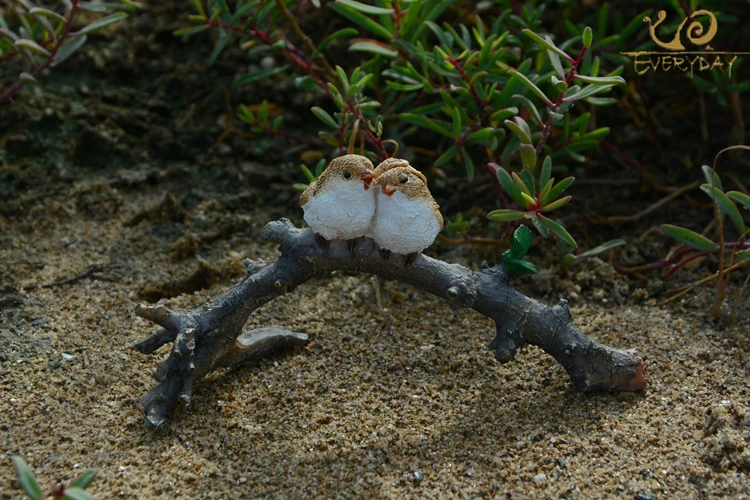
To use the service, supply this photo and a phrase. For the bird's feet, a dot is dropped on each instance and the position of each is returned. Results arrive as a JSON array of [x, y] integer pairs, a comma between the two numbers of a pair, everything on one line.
[[321, 241], [351, 245], [385, 253], [410, 259]]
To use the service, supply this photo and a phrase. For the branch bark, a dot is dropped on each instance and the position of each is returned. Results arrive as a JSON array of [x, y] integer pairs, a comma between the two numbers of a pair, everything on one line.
[[210, 336]]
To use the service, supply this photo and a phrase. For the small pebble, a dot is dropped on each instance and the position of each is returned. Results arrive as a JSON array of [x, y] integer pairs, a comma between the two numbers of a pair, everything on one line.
[[540, 478]]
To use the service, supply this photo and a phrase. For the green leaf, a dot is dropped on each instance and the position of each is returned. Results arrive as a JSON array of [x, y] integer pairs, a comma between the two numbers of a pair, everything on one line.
[[531, 85], [299, 186], [333, 36], [513, 257], [259, 75], [41, 11], [600, 80], [528, 158], [68, 48], [191, 31], [586, 92], [521, 132], [373, 48], [101, 23], [199, 7], [741, 198], [447, 156], [85, 479], [502, 114], [690, 238], [223, 42], [726, 205], [31, 46], [423, 121], [505, 215], [557, 204], [517, 266], [546, 173], [459, 225], [556, 64], [75, 493], [557, 190], [531, 107], [743, 255], [361, 20], [456, 123], [603, 248], [558, 230], [521, 242], [367, 9], [26, 478], [587, 37], [521, 184], [468, 164], [543, 230], [601, 101], [548, 45], [481, 135], [309, 175], [324, 117], [506, 182], [708, 173], [320, 167]]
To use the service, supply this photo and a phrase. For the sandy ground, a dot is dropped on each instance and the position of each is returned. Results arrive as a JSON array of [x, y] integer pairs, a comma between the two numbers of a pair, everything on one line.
[[423, 411]]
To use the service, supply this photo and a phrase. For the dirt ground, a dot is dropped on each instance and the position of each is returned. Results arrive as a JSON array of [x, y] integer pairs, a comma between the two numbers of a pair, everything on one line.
[[105, 204]]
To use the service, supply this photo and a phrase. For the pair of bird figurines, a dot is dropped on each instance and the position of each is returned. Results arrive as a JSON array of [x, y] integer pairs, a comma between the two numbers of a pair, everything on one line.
[[390, 204]]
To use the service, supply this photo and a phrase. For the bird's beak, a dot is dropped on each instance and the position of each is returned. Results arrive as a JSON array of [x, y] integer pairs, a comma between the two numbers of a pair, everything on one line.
[[367, 177], [389, 190]]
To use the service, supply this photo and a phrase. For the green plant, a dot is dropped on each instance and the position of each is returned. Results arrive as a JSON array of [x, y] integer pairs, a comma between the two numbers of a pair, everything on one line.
[[697, 245], [45, 37], [76, 490], [448, 90], [513, 260]]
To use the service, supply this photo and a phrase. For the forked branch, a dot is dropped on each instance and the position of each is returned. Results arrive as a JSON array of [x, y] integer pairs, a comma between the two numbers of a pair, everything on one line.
[[211, 336]]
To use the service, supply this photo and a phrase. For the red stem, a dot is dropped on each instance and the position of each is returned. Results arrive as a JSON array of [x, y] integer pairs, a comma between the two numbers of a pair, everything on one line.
[[550, 120]]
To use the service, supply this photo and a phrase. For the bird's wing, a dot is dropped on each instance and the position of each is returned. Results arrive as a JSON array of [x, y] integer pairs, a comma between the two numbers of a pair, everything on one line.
[[307, 193]]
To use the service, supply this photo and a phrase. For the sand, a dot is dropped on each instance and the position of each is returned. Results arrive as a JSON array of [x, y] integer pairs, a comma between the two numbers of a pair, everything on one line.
[[420, 411]]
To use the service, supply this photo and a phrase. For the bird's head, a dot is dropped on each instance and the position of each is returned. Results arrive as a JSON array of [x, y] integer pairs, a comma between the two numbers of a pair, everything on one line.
[[391, 163], [404, 179], [351, 168]]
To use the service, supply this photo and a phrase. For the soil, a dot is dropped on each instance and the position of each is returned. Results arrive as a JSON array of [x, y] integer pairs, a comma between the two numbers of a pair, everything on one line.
[[118, 189]]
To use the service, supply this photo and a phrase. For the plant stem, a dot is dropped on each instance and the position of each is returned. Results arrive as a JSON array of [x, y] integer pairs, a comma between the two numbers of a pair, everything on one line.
[[558, 103], [306, 41]]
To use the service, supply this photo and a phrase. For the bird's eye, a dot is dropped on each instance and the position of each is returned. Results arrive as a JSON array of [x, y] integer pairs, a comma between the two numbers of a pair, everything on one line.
[[402, 179], [347, 175]]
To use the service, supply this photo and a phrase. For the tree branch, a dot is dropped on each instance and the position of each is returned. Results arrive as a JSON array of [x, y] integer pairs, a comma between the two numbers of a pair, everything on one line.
[[211, 336]]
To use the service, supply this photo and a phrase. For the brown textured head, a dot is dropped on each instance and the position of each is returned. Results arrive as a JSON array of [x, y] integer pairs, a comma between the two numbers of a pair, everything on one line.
[[402, 179], [347, 168], [391, 163]]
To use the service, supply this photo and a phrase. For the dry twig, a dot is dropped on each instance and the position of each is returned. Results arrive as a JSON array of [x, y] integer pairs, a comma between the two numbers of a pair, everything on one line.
[[210, 336]]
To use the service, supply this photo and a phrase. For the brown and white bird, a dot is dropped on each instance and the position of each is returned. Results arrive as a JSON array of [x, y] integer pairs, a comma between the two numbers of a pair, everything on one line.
[[339, 205], [407, 218], [390, 163]]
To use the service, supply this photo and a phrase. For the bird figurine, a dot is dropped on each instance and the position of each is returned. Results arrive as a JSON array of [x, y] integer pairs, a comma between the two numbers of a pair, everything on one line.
[[339, 204], [390, 163], [407, 218]]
